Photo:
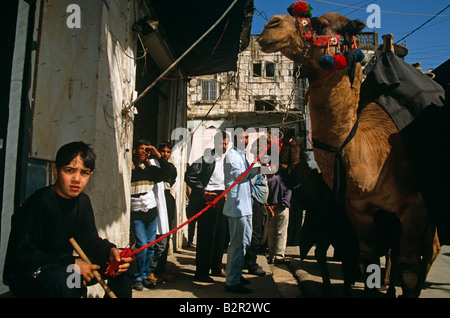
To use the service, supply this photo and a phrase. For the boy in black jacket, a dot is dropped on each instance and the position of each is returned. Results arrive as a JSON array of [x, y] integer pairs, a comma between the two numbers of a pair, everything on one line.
[[39, 259]]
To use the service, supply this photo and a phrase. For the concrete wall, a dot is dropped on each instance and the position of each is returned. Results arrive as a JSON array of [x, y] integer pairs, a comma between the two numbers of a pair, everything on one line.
[[12, 140]]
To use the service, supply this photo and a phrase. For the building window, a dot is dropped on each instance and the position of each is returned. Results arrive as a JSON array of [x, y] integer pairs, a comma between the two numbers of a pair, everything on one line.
[[209, 90], [264, 105], [257, 69], [270, 69]]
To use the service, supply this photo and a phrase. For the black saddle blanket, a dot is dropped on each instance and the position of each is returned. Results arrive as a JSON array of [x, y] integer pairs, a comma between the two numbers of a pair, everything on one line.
[[401, 89], [416, 104]]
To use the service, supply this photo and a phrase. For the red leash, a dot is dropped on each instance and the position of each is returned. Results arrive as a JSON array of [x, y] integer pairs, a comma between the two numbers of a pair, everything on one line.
[[313, 84], [127, 252]]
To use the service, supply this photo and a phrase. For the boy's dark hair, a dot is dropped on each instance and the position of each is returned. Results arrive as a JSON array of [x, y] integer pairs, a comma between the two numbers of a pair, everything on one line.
[[69, 151], [164, 145], [141, 142]]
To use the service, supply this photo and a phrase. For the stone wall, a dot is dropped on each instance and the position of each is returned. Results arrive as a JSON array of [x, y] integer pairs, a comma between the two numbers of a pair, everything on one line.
[[238, 91]]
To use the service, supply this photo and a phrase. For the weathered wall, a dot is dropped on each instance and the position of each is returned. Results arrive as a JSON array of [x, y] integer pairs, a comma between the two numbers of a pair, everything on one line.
[[112, 132], [84, 79], [13, 133], [65, 78]]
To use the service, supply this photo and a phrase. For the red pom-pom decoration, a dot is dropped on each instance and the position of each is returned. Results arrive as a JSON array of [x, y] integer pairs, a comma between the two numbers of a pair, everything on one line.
[[339, 61], [300, 9]]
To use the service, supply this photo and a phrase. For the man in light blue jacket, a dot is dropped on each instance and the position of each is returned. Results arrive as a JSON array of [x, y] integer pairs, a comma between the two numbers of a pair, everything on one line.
[[238, 209]]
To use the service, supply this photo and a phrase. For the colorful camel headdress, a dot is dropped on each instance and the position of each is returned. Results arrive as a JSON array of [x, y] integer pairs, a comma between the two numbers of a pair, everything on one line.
[[303, 12]]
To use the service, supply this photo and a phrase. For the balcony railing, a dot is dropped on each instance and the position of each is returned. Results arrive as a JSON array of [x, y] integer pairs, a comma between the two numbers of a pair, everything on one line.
[[368, 40]]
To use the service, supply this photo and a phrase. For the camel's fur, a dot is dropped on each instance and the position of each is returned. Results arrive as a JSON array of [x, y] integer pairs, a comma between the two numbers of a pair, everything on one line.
[[380, 176]]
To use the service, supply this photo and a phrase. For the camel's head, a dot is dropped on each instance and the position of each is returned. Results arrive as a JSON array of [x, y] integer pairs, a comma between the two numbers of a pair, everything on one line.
[[304, 39]]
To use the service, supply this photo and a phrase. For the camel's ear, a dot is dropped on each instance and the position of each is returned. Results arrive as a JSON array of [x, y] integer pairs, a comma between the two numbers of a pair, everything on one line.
[[353, 27], [319, 24]]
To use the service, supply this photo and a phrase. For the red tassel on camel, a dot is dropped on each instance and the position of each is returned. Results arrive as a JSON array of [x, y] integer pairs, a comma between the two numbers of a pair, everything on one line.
[[339, 61]]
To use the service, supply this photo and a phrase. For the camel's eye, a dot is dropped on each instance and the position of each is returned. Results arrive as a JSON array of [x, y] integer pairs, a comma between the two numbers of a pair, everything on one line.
[[273, 22], [319, 25]]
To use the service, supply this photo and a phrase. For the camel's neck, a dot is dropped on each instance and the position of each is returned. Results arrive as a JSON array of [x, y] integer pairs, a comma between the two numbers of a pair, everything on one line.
[[333, 105]]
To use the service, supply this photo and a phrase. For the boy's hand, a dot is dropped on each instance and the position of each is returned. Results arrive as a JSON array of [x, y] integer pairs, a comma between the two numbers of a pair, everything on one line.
[[85, 270], [123, 261], [271, 209], [154, 151]]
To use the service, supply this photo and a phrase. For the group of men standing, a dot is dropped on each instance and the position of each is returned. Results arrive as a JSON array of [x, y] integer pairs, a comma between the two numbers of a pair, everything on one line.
[[234, 223]]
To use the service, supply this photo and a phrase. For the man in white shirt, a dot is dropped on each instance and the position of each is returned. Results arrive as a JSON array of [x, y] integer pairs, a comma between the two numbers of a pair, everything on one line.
[[206, 180]]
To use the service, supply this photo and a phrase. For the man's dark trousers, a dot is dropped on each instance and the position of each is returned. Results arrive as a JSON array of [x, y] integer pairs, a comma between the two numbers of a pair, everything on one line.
[[212, 237]]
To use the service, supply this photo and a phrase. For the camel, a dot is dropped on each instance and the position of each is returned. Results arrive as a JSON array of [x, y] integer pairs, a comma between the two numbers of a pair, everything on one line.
[[379, 175]]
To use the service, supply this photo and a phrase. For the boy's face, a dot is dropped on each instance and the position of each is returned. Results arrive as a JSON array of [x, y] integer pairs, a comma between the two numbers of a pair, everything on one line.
[[72, 179], [141, 153], [166, 152]]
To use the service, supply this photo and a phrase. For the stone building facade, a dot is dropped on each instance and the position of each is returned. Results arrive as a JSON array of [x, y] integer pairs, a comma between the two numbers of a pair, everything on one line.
[[262, 91]]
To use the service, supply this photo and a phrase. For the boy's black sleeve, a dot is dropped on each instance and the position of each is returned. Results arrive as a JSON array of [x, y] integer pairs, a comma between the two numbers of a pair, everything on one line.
[[172, 174], [33, 242], [157, 174], [96, 248]]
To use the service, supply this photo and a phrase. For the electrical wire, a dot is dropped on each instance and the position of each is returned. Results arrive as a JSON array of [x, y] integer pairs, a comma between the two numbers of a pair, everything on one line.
[[418, 28], [383, 11], [362, 3]]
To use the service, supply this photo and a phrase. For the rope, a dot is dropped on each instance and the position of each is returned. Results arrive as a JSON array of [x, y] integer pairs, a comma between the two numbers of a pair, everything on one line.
[[315, 83], [125, 253]]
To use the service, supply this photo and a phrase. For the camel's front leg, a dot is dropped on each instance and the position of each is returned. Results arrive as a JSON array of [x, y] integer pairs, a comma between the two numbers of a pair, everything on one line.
[[364, 226], [416, 241], [321, 258]]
